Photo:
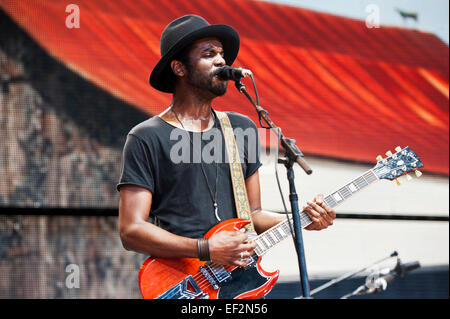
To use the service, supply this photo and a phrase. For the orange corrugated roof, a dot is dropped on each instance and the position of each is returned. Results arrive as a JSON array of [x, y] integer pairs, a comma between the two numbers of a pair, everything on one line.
[[339, 88]]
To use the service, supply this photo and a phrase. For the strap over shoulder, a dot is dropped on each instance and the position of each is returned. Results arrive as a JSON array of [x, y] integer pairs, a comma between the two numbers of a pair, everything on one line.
[[237, 176]]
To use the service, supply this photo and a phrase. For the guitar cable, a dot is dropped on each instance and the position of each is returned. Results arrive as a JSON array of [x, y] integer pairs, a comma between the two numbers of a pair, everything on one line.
[[280, 189]]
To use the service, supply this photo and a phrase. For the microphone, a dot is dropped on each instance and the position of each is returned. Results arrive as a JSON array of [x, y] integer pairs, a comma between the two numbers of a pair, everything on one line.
[[401, 269], [228, 73], [376, 283]]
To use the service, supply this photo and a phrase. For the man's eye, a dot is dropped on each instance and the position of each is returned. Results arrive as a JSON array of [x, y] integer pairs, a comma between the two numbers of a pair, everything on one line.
[[211, 54]]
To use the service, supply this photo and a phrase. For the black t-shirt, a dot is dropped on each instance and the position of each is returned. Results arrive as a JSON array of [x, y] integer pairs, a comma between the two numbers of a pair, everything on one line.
[[158, 156]]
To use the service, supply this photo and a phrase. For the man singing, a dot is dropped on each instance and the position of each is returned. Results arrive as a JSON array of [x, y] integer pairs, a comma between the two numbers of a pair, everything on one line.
[[187, 198]]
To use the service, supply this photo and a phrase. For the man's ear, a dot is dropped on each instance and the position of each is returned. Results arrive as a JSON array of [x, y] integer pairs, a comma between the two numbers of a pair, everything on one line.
[[178, 68]]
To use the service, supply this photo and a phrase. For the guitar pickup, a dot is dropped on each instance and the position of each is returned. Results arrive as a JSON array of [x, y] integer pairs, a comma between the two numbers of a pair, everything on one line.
[[219, 272]]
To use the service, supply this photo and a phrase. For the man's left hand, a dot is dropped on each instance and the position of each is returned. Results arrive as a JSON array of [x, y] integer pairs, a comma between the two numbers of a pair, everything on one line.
[[320, 214]]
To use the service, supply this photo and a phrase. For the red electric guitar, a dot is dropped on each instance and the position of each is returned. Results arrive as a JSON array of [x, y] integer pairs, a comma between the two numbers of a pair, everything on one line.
[[190, 278]]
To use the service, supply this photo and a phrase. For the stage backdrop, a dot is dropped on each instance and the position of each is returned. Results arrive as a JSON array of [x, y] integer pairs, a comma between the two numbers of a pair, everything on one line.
[[70, 95], [61, 136], [68, 99]]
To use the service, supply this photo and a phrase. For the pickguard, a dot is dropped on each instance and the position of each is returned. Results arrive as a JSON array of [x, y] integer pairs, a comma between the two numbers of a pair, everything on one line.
[[242, 280]]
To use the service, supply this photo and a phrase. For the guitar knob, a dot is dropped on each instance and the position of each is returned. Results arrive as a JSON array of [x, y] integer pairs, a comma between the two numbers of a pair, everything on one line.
[[398, 182], [398, 149], [408, 177], [418, 173], [388, 153], [379, 158]]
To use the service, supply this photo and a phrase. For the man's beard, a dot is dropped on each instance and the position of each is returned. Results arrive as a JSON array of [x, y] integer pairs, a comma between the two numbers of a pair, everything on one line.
[[206, 82]]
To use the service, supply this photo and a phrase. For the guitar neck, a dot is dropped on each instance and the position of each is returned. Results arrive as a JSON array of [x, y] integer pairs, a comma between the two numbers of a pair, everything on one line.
[[281, 231]]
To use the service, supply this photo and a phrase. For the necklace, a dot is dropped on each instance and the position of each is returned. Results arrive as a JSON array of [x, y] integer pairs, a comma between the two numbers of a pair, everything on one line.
[[213, 196]]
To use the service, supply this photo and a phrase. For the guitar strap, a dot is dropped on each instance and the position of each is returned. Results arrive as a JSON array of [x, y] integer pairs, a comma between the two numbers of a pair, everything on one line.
[[237, 176]]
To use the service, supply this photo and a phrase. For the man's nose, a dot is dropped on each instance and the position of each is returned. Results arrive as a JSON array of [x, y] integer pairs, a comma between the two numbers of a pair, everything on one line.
[[219, 60]]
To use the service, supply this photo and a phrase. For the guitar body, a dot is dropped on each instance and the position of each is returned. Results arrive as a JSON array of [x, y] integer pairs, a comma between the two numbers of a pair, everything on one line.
[[190, 278]]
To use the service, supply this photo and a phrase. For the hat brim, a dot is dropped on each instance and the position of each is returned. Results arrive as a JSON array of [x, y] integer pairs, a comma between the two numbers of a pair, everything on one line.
[[162, 77]]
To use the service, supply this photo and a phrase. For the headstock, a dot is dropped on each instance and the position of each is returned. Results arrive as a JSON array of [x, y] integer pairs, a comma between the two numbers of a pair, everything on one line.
[[395, 165]]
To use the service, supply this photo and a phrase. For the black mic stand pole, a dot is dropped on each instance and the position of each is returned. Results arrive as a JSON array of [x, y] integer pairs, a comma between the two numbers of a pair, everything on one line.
[[293, 155]]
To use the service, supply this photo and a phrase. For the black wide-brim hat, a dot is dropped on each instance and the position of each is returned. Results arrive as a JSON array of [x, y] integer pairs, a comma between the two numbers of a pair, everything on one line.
[[180, 33]]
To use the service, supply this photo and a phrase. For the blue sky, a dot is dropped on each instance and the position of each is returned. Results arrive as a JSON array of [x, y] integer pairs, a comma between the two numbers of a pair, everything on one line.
[[433, 14]]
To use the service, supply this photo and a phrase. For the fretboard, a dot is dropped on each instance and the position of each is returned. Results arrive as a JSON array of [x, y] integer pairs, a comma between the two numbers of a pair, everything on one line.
[[281, 231]]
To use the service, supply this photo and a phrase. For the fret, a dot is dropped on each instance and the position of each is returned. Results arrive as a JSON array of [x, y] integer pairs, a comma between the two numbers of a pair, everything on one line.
[[352, 187], [265, 242], [281, 232], [270, 239], [260, 245], [283, 229], [348, 190], [260, 248], [337, 197], [370, 177], [286, 227], [278, 229], [330, 201], [277, 234], [276, 238], [360, 182], [304, 219], [345, 192]]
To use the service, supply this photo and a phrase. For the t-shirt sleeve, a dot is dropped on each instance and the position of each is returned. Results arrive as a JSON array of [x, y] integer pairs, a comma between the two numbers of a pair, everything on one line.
[[252, 151], [136, 164]]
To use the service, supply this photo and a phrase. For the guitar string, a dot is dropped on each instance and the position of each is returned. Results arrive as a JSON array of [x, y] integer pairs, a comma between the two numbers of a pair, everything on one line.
[[205, 280], [204, 283]]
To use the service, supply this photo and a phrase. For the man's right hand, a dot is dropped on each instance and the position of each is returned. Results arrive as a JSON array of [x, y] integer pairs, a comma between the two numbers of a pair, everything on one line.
[[231, 248]]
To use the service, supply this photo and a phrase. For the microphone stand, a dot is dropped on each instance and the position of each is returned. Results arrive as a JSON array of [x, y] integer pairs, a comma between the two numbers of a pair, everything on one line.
[[350, 274], [376, 283], [293, 155]]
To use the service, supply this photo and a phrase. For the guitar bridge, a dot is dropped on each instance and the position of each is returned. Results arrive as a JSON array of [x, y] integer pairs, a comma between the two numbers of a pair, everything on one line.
[[251, 261], [215, 274]]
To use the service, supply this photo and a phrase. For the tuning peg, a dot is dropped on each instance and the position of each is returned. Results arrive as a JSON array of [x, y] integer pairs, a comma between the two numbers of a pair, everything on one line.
[[408, 177], [379, 158], [398, 149], [398, 182], [388, 153], [418, 173]]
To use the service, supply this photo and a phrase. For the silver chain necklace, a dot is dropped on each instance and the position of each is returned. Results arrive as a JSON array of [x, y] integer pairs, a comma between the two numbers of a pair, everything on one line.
[[213, 197]]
